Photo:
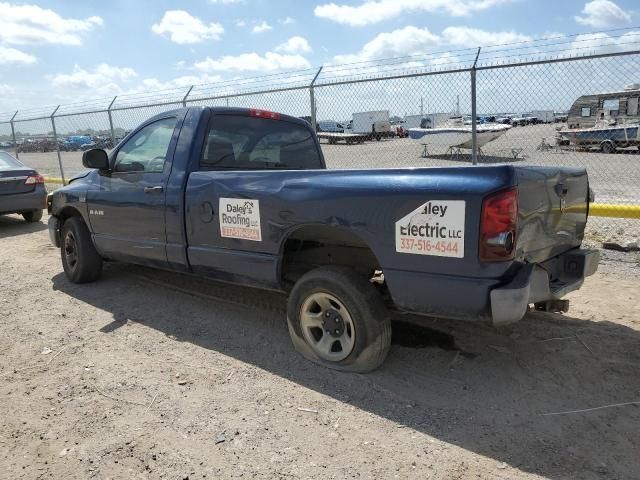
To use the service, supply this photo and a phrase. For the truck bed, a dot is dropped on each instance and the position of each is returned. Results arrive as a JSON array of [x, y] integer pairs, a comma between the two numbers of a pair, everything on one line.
[[370, 204]]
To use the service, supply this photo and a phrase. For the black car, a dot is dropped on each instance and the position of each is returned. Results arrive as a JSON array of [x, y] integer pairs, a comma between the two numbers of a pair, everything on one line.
[[21, 189]]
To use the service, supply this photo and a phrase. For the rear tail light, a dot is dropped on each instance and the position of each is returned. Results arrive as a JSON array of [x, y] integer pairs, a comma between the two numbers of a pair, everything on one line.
[[498, 226], [34, 180], [264, 114]]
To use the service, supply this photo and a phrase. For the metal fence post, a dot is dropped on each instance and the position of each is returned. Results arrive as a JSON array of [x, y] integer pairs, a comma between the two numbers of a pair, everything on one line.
[[55, 139], [312, 98], [113, 135], [184, 100], [474, 140], [13, 134]]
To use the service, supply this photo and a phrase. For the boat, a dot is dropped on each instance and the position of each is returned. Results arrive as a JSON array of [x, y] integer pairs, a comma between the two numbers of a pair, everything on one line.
[[606, 135], [455, 134]]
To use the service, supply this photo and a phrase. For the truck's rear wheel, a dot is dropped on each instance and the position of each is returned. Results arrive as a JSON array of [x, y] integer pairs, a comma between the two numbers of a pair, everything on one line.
[[337, 319], [80, 260]]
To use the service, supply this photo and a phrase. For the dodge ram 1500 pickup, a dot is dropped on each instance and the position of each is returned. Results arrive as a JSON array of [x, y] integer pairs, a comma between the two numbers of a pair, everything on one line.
[[244, 196]]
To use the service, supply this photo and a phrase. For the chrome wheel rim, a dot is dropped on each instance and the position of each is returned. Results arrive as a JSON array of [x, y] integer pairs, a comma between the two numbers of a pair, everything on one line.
[[70, 250], [327, 326]]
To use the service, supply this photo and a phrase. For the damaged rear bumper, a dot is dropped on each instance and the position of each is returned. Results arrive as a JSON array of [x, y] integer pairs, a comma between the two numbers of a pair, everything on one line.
[[548, 281]]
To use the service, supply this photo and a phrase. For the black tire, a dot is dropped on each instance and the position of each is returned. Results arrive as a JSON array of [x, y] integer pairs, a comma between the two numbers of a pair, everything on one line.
[[80, 260], [32, 216], [365, 309], [607, 147]]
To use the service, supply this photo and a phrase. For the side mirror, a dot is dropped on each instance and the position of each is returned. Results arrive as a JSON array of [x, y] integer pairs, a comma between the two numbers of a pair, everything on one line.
[[96, 158]]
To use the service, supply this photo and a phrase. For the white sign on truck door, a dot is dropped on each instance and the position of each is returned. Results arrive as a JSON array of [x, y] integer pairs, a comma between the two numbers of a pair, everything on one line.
[[240, 218]]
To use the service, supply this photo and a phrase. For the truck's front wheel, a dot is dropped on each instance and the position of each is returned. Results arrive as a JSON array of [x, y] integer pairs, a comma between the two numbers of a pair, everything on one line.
[[80, 260], [337, 319]]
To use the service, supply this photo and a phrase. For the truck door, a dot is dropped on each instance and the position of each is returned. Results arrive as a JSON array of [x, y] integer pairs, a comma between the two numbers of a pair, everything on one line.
[[127, 207], [233, 200]]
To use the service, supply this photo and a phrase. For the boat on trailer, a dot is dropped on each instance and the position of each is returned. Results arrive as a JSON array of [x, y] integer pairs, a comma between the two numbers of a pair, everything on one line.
[[607, 137], [455, 134]]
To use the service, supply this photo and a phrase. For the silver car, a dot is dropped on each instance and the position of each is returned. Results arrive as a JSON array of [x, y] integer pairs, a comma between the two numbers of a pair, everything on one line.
[[22, 189]]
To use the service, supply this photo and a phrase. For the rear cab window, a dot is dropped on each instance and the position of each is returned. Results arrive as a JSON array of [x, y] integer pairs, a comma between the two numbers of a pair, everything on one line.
[[245, 142]]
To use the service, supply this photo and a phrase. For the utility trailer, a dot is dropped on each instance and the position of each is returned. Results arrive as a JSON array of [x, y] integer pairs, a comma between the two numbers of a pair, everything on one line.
[[348, 138]]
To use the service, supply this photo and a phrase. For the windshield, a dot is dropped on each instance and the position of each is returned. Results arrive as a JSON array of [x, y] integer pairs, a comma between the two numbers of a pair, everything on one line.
[[7, 162]]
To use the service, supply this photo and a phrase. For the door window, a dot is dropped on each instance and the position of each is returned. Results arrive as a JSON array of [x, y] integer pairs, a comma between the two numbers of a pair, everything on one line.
[[147, 150]]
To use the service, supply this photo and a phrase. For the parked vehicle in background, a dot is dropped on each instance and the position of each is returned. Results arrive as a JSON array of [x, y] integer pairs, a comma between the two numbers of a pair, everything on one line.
[[376, 124], [560, 117], [543, 116], [36, 145], [5, 145], [244, 196], [330, 126], [619, 107], [22, 189], [74, 143], [505, 119], [529, 118], [480, 119], [519, 120], [605, 136], [413, 121]]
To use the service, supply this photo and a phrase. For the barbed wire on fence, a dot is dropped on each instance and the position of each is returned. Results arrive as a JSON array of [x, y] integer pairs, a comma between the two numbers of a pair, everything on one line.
[[572, 46]]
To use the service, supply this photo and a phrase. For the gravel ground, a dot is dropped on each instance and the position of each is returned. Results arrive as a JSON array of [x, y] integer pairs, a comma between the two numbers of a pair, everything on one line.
[[150, 374]]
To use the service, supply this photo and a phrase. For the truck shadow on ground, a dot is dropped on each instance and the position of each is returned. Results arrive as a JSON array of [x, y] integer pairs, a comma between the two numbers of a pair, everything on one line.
[[12, 226], [469, 385]]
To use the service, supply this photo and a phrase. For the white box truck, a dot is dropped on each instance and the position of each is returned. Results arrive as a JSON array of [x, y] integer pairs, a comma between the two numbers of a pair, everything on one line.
[[375, 124], [543, 116]]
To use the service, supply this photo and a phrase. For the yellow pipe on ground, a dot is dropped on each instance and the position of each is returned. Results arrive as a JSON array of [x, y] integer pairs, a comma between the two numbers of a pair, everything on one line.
[[614, 210], [53, 180]]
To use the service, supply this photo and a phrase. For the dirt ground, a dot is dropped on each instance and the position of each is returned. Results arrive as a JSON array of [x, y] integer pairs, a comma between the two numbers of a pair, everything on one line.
[[150, 374]]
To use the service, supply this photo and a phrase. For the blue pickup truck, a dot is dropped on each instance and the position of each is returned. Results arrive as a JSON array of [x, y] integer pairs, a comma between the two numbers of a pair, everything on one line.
[[244, 196]]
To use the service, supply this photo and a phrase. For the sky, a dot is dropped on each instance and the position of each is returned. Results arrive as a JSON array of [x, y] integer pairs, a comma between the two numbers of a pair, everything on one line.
[[55, 52]]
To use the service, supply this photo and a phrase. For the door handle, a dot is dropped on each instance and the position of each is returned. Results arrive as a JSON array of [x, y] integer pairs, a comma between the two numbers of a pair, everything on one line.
[[155, 189]]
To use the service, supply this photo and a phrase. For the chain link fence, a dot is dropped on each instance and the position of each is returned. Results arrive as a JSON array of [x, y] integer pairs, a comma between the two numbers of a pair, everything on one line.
[[580, 111]]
